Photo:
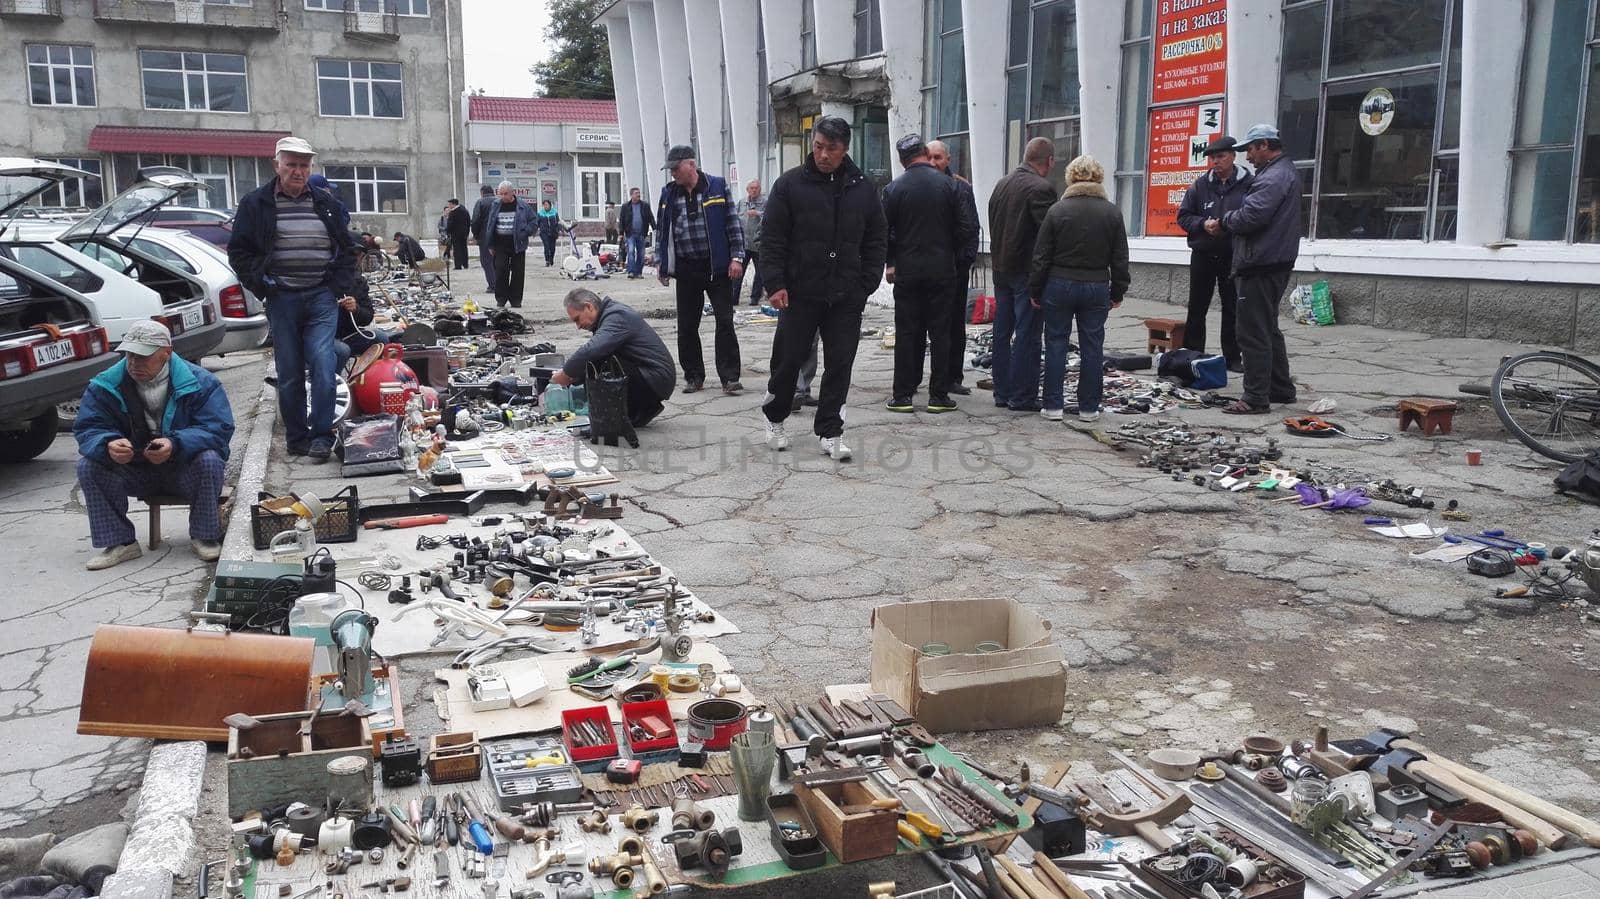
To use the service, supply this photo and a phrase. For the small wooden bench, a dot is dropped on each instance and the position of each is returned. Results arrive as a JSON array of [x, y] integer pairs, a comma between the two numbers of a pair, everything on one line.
[[1166, 334], [1431, 416], [172, 499]]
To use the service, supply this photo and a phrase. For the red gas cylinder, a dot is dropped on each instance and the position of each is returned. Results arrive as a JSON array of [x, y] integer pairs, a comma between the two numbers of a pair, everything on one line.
[[367, 390]]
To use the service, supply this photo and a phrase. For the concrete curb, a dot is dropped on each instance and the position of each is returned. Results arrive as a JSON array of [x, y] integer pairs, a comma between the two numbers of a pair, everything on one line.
[[161, 839]]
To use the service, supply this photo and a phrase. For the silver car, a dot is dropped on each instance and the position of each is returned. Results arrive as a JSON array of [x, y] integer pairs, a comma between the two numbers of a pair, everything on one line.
[[242, 313]]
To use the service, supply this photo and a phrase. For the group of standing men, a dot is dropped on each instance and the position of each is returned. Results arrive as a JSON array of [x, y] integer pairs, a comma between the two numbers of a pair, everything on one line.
[[502, 224]]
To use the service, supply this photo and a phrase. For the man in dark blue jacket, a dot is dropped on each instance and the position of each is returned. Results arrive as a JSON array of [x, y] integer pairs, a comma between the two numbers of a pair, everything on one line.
[[700, 242], [152, 424], [1221, 189], [291, 246]]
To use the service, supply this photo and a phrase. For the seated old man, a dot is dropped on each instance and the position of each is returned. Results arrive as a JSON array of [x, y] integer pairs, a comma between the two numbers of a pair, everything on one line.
[[620, 334], [149, 425]]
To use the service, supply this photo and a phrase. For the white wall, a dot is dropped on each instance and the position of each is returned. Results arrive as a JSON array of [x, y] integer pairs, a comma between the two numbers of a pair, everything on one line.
[[705, 62], [902, 48], [652, 103], [739, 42], [620, 41], [672, 42]]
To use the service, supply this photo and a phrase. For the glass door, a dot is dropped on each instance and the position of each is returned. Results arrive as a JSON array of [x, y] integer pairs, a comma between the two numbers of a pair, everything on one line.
[[1377, 169]]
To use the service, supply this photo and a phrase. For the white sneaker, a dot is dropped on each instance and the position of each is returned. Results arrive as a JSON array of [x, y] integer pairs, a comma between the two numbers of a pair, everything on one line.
[[834, 448], [1050, 414], [113, 555], [776, 438], [1089, 416]]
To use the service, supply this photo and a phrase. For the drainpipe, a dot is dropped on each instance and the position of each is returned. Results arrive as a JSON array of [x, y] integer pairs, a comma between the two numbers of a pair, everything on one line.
[[450, 85]]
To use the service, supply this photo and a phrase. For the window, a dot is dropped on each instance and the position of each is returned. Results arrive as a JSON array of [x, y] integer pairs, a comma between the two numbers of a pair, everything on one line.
[[403, 7], [1555, 185], [596, 188], [869, 28], [944, 82], [1042, 80], [211, 171], [60, 75], [348, 87], [75, 192], [250, 173], [56, 266], [1133, 149], [808, 34], [1369, 107], [176, 79], [369, 188]]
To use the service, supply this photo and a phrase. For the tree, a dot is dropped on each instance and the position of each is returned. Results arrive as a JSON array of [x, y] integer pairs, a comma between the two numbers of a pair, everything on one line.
[[579, 65]]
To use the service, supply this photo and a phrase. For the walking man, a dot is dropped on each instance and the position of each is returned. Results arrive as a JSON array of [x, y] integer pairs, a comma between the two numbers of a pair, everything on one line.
[[966, 257], [1266, 241], [928, 227], [1221, 189], [750, 210], [457, 228], [611, 222], [823, 240], [549, 228], [511, 223], [291, 246], [482, 236], [1016, 208], [700, 242], [637, 222]]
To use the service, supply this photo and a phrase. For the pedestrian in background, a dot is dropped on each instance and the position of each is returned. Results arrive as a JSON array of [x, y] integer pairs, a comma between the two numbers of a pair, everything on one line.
[[700, 243], [750, 210], [637, 222], [966, 257], [408, 249], [822, 239], [511, 224], [457, 228], [1017, 207], [928, 225], [442, 231], [1266, 242], [1221, 189], [482, 235], [291, 247], [1079, 274], [611, 222], [549, 228]]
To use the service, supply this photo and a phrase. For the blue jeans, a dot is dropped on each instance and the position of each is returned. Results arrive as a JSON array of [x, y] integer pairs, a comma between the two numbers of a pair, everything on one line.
[[1015, 369], [1089, 302], [303, 326], [635, 254]]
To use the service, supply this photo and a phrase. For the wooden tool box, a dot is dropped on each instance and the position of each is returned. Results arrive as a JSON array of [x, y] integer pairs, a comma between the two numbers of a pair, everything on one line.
[[851, 836], [273, 762]]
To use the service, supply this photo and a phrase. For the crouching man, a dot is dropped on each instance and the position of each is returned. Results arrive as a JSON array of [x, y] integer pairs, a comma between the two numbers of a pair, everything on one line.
[[620, 334], [151, 424]]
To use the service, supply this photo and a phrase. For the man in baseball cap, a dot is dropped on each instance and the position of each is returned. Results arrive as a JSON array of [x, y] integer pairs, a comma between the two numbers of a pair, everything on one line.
[[150, 425]]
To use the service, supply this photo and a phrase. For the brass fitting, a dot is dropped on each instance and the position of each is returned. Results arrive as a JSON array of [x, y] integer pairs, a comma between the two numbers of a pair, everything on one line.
[[653, 881], [688, 815], [619, 866], [595, 822], [639, 819], [630, 844]]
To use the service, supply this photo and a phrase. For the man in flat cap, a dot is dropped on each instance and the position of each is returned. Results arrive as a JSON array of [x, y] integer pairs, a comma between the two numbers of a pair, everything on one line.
[[700, 243], [1221, 189]]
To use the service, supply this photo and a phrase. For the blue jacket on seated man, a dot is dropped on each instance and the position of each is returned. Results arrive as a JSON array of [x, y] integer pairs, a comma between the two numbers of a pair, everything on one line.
[[151, 425]]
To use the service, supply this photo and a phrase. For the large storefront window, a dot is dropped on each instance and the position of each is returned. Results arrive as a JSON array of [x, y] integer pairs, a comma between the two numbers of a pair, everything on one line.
[[870, 143], [1042, 80], [944, 82], [1133, 125], [1555, 172], [596, 188], [1369, 108]]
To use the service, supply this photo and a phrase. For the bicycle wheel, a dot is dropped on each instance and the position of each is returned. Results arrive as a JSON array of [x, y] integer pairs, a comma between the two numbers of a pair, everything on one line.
[[1551, 402]]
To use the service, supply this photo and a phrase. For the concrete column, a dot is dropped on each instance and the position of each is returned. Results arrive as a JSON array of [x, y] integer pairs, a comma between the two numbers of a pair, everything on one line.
[[781, 21], [984, 26], [739, 42], [1255, 45], [1486, 31], [672, 36], [705, 63], [620, 42], [652, 106], [1100, 77], [903, 51], [836, 31]]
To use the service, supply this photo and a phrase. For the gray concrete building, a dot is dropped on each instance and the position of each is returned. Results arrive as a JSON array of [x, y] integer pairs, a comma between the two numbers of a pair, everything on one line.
[[210, 85]]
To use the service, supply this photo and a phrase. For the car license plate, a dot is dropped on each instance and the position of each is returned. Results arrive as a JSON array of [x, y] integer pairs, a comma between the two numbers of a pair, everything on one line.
[[51, 353], [193, 318]]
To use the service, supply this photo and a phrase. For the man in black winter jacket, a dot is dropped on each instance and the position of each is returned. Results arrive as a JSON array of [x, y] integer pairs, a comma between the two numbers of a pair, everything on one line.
[[1221, 189], [929, 227], [482, 233], [822, 245], [966, 257]]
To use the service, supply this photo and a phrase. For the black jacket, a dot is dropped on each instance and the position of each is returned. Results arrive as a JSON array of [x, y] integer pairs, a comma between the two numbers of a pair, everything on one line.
[[350, 324], [255, 231], [823, 237], [1017, 206], [1208, 198], [625, 218], [481, 211], [459, 223], [929, 224], [1082, 239], [408, 249], [967, 253], [621, 332]]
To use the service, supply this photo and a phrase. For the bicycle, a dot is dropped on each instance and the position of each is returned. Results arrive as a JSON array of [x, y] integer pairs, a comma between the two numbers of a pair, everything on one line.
[[1549, 400], [370, 260]]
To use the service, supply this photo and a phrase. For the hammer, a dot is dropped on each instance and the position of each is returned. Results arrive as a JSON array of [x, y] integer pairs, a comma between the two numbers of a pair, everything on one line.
[[1586, 829], [1146, 824], [1403, 754]]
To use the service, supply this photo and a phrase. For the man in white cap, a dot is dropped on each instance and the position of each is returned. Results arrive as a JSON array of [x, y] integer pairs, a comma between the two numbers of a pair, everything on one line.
[[151, 424], [291, 246]]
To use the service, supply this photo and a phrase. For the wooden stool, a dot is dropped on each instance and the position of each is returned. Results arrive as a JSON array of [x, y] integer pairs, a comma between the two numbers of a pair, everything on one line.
[[1165, 334], [1431, 416], [172, 499]]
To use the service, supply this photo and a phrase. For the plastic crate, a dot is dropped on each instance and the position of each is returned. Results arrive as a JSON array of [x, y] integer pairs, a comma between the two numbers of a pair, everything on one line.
[[341, 519]]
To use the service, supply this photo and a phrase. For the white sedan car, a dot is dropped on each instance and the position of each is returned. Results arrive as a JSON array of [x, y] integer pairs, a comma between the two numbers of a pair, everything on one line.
[[243, 313]]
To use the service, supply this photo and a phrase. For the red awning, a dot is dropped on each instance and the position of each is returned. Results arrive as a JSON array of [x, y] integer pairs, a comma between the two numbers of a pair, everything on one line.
[[190, 141]]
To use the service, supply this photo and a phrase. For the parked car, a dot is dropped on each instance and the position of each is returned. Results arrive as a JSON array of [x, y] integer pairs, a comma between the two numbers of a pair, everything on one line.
[[51, 339], [243, 314], [214, 226]]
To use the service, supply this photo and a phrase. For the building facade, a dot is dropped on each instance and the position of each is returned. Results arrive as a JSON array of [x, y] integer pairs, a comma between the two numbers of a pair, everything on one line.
[[566, 151], [1449, 150], [210, 85]]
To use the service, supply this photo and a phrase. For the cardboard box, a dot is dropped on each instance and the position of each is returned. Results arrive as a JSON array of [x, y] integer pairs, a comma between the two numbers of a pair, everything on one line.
[[1022, 685]]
